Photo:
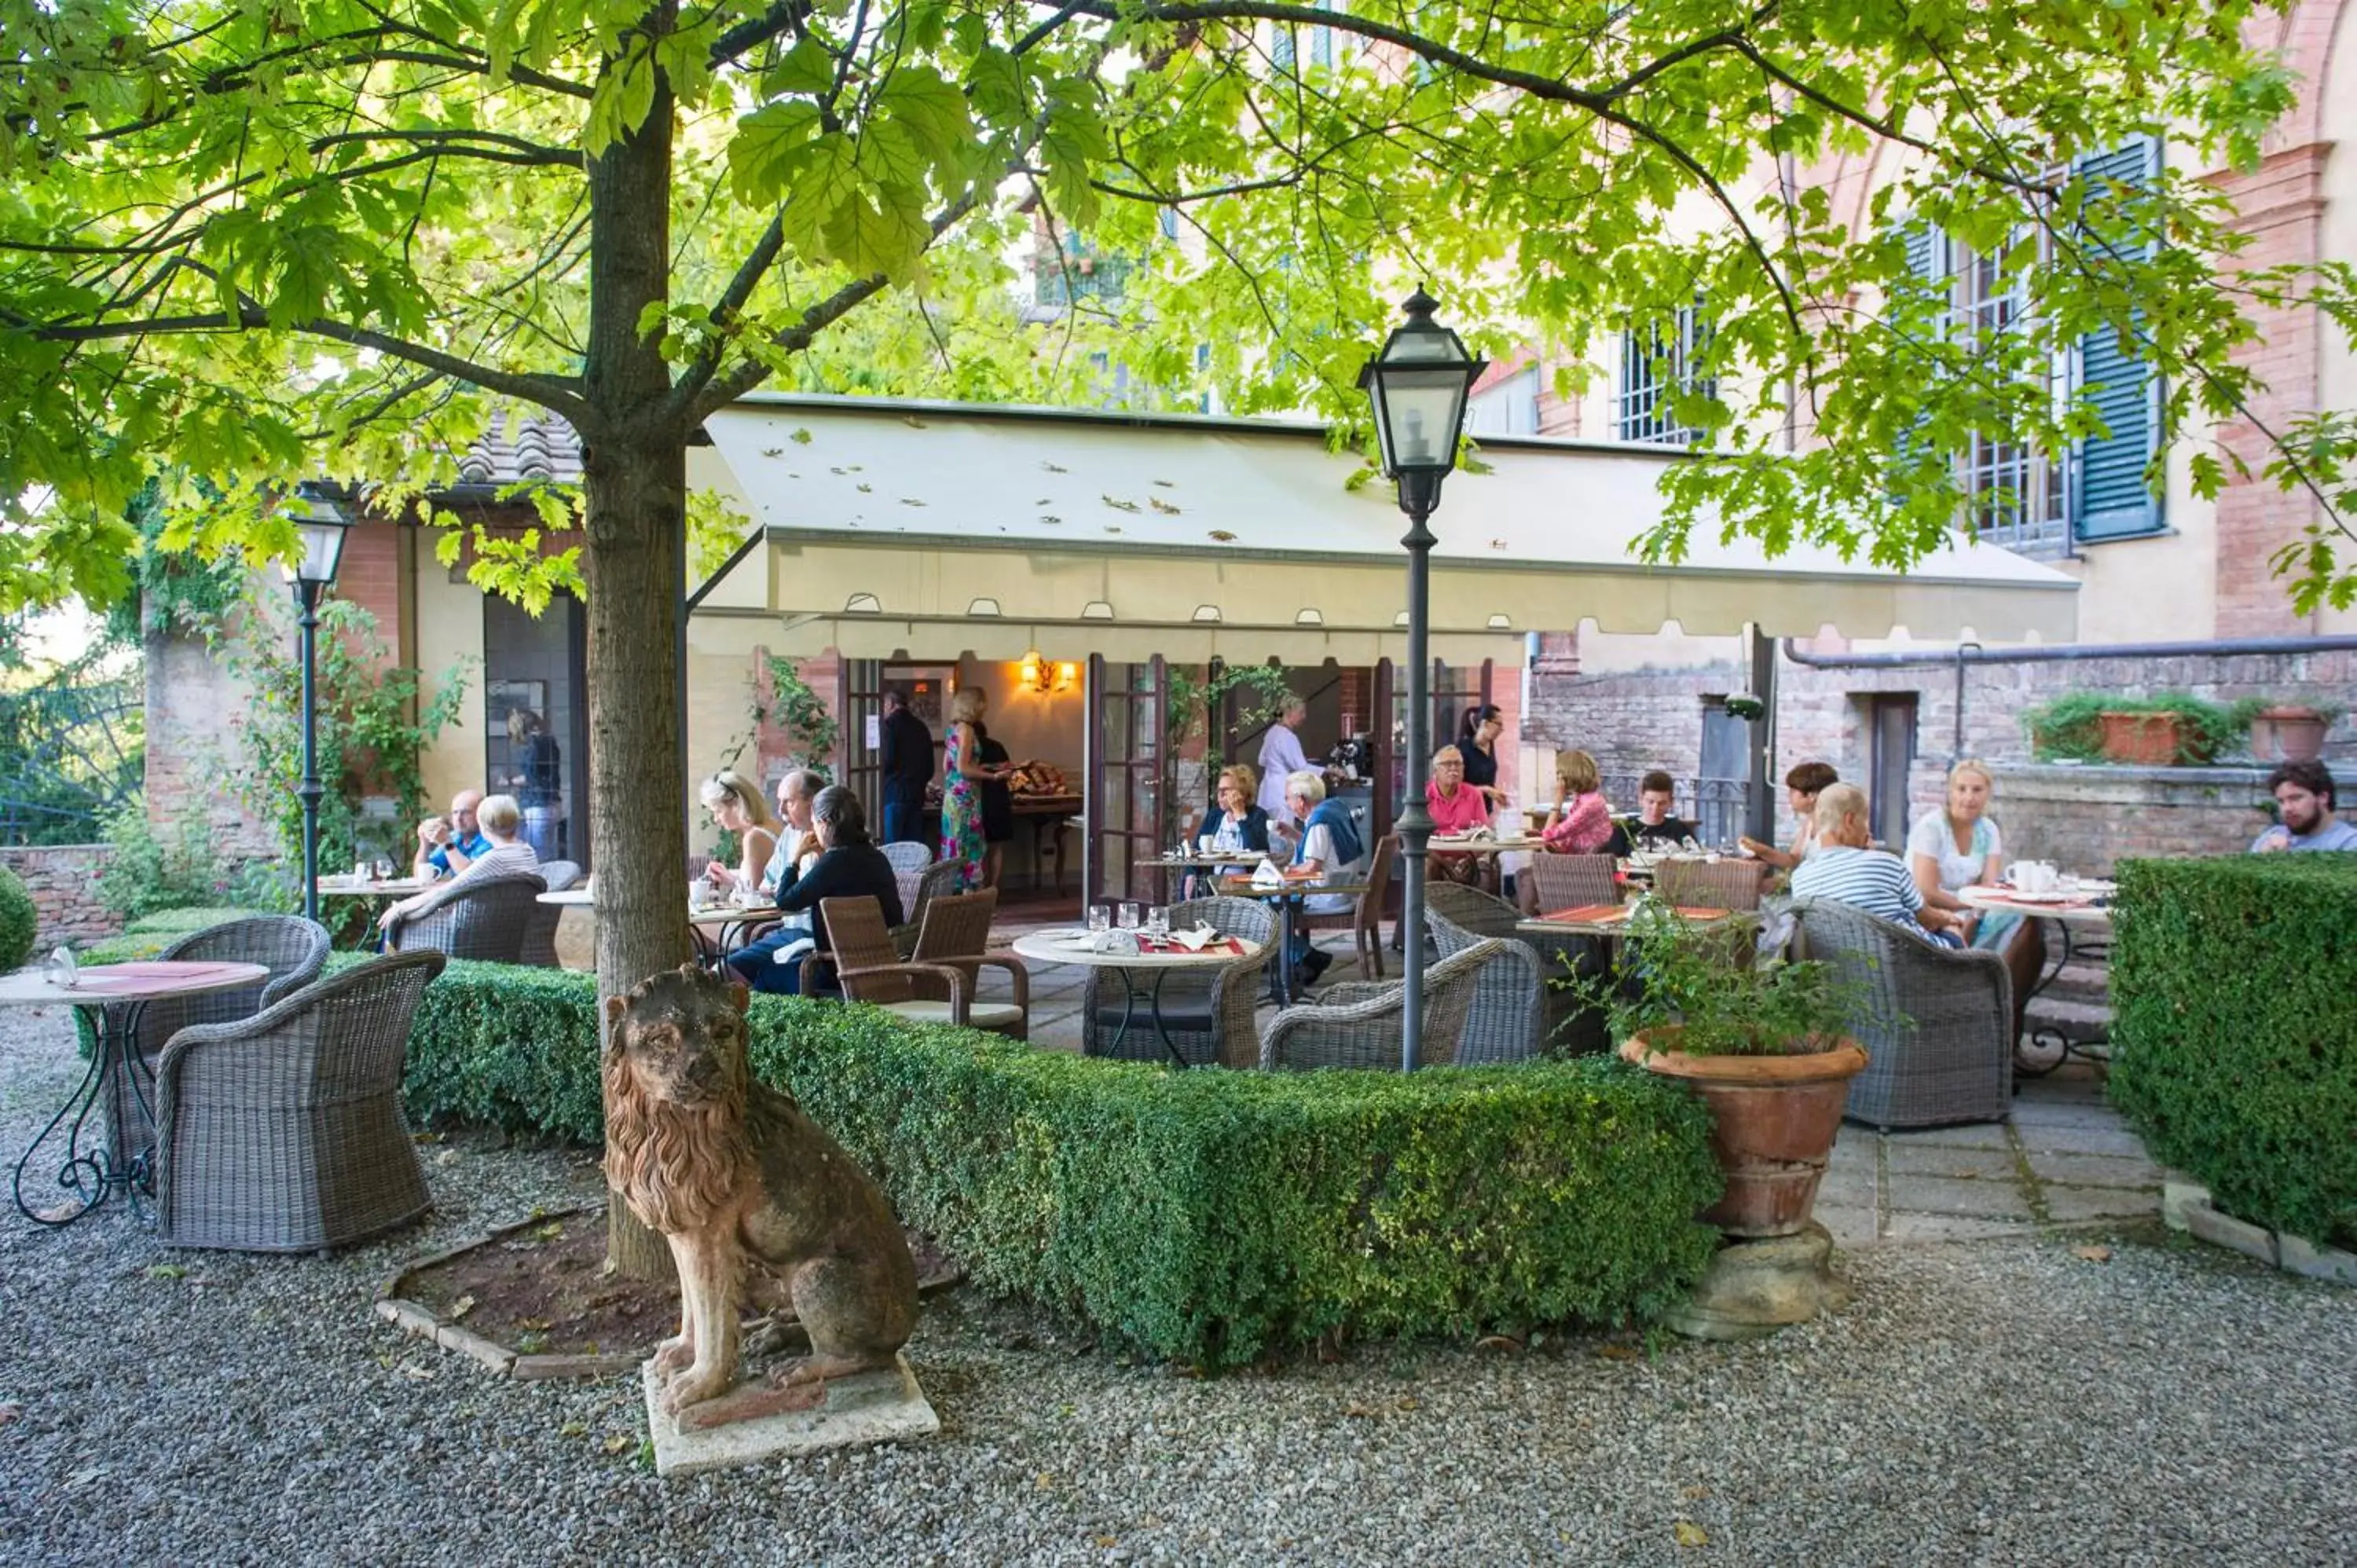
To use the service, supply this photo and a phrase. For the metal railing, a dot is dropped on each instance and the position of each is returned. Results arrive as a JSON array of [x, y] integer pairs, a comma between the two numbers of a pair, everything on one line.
[[69, 755], [1717, 807]]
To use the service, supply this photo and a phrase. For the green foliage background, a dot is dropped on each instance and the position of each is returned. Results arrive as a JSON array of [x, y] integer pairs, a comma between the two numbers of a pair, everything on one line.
[[20, 921], [2071, 727], [1207, 1216], [2234, 1031]]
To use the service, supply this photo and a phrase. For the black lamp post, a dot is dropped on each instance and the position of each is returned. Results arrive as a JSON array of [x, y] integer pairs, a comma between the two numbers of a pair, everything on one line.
[[1418, 384], [322, 526]]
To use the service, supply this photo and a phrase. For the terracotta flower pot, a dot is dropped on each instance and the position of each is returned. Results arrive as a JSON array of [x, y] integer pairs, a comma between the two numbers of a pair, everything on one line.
[[1774, 1120], [2147, 740], [2288, 734]]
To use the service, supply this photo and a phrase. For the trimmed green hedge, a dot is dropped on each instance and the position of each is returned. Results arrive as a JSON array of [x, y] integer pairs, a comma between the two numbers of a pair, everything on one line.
[[2235, 1004], [20, 922], [151, 934], [1206, 1216]]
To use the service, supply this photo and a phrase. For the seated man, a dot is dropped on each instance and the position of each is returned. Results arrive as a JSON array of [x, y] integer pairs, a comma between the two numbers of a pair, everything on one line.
[[446, 844], [1844, 869], [2304, 806], [797, 848], [1653, 827], [849, 866], [504, 853]]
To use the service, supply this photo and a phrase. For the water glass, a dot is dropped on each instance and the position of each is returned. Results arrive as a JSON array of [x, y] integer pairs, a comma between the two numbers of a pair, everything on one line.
[[383, 869], [1128, 917], [1158, 921], [1100, 919]]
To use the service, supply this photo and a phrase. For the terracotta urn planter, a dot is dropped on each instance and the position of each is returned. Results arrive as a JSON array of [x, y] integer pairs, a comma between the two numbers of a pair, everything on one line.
[[2148, 740], [1774, 1120], [2288, 734]]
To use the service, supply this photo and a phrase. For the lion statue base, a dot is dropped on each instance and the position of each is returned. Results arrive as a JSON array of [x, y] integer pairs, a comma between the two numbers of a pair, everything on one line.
[[734, 1175]]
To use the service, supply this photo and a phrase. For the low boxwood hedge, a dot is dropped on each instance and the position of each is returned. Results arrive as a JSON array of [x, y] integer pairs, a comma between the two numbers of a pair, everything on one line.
[[1206, 1216], [151, 934], [2234, 1031]]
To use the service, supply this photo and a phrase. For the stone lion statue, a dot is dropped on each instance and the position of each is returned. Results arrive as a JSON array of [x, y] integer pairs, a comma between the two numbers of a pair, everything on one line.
[[734, 1174]]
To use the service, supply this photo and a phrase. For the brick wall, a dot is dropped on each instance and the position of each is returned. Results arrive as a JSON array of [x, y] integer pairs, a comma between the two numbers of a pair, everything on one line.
[[61, 879], [194, 708], [1651, 717], [2087, 820]]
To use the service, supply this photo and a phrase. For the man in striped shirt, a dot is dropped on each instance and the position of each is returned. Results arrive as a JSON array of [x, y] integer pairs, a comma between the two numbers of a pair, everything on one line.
[[1844, 869]]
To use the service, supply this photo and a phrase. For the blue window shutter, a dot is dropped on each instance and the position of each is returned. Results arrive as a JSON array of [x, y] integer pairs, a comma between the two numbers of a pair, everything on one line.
[[2110, 499], [1280, 46]]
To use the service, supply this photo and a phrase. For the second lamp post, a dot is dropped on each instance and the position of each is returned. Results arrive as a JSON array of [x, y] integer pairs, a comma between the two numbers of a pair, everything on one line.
[[322, 526], [1418, 383]]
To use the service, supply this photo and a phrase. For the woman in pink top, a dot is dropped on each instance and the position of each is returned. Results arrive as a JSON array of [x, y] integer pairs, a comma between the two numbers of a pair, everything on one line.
[[1581, 823], [1456, 807]]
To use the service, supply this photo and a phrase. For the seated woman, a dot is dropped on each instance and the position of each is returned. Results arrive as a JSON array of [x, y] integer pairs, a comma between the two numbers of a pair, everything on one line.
[[1959, 847], [1330, 843], [1803, 786], [1581, 823], [1456, 807], [741, 809], [500, 821], [1844, 870], [1239, 825], [849, 866]]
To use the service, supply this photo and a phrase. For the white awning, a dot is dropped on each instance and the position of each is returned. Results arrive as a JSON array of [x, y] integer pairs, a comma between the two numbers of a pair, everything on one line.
[[926, 529]]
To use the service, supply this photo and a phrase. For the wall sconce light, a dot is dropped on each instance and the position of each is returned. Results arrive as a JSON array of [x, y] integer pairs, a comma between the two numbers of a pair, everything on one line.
[[1037, 674]]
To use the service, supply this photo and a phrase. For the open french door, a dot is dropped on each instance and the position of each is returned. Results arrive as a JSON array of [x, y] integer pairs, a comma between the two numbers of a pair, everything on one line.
[[858, 765], [1123, 811]]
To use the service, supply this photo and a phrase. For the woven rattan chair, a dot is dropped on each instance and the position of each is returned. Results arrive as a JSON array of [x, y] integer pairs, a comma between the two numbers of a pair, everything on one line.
[[291, 947], [1571, 881], [539, 932], [282, 1132], [487, 920], [909, 862], [1936, 1023], [1508, 1019], [1365, 919], [939, 985], [1208, 1011], [938, 879], [1570, 1028], [1732, 884], [1357, 1023]]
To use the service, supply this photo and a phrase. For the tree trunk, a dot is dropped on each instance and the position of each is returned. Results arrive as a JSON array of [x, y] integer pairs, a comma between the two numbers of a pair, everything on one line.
[[634, 482]]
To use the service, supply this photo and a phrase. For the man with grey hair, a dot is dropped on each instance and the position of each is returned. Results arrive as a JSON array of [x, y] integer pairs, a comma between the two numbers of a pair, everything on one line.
[[796, 790]]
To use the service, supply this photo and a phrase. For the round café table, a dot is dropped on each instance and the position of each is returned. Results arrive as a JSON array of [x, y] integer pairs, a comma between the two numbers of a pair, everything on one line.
[[2083, 919], [1051, 947], [112, 996]]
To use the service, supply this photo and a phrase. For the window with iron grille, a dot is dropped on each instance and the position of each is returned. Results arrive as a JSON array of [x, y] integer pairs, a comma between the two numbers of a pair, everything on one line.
[[1657, 365], [2016, 490]]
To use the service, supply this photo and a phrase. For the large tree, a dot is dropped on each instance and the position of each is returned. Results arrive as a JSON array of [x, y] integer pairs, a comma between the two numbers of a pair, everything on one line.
[[251, 242]]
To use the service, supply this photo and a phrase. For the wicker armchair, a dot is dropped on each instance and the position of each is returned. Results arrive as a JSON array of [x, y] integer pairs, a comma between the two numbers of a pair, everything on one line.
[[1570, 882], [487, 920], [1358, 1023], [1569, 1027], [282, 1132], [937, 985], [540, 931], [936, 880], [1732, 883], [1936, 1023], [909, 862], [1508, 1019], [291, 947], [1209, 1013]]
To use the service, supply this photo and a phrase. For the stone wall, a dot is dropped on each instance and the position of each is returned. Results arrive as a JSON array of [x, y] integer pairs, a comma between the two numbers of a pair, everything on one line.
[[61, 879], [2086, 819]]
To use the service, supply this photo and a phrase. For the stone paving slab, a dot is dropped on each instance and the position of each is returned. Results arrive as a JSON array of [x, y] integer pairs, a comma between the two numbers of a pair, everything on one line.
[[2096, 1170], [1977, 1135], [2039, 1138], [2092, 1116], [1972, 1200], [1955, 1227], [2067, 1204], [1904, 1160]]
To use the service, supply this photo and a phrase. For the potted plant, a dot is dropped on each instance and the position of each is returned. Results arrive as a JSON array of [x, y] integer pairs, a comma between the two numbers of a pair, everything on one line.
[[2170, 729], [2290, 732], [1761, 1040]]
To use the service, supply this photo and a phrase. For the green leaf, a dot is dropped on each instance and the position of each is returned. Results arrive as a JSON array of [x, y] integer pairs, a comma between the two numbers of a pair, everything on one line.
[[805, 68], [763, 147], [995, 79]]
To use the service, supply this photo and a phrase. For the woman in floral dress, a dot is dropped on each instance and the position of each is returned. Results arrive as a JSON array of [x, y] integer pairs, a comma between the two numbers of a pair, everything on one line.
[[961, 839]]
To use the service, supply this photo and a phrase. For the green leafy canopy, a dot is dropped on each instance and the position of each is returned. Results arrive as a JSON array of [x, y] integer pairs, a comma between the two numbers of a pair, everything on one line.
[[247, 241]]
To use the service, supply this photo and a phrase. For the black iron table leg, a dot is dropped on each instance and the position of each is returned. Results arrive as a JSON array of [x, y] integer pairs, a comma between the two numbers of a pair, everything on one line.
[[1154, 1010], [93, 1175], [2065, 1048]]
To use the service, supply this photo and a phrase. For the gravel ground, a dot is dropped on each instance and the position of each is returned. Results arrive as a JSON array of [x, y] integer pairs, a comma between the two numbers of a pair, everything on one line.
[[1995, 1403]]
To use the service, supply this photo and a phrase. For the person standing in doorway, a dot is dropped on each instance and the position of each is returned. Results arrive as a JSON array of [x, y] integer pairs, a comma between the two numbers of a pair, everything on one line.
[[906, 760], [1281, 757], [539, 782], [962, 776], [991, 768]]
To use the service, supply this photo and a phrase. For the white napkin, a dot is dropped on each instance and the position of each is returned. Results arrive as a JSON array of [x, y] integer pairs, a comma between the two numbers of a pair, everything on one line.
[[1196, 939], [1266, 875]]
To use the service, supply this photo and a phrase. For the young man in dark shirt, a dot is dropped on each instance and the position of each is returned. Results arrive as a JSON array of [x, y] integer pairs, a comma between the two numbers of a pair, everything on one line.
[[1653, 827]]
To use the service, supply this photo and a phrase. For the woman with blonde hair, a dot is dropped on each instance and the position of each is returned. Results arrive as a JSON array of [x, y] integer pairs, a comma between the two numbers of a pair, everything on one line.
[[1580, 823], [1957, 845], [741, 807], [962, 772]]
